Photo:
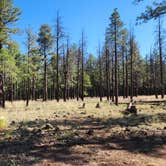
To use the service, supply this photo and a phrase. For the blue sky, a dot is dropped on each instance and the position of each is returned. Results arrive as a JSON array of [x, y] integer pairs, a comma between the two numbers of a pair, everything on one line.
[[90, 15]]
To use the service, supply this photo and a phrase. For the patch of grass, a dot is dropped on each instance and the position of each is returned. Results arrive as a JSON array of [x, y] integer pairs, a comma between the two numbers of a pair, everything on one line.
[[8, 163], [3, 122]]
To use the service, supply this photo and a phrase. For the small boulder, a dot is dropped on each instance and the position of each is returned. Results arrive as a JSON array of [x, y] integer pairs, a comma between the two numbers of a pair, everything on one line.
[[90, 132], [47, 126], [83, 106]]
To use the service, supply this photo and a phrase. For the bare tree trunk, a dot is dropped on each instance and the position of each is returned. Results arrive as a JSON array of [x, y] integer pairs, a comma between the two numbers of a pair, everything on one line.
[[78, 73], [33, 88], [107, 74], [112, 77], [161, 61], [45, 94], [12, 90], [131, 66], [126, 88], [82, 69], [116, 67], [100, 76], [57, 69], [66, 72], [2, 95], [123, 71]]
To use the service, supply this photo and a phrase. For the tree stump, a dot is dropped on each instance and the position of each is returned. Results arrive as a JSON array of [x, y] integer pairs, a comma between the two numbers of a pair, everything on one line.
[[83, 105], [98, 105], [131, 109]]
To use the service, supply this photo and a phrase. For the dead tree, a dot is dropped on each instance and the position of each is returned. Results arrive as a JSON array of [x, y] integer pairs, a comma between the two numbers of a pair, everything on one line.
[[58, 37]]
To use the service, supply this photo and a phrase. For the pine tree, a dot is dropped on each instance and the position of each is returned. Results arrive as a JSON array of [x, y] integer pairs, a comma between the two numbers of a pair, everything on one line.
[[114, 33], [45, 41], [8, 15]]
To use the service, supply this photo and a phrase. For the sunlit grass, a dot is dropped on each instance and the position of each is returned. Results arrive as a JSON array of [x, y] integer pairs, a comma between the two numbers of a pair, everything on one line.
[[17, 111]]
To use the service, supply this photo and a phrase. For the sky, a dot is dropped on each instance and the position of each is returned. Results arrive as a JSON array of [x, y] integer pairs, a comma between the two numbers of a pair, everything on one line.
[[92, 16]]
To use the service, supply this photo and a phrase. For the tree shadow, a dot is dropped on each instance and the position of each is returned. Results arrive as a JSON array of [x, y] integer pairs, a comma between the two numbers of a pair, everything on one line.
[[30, 143]]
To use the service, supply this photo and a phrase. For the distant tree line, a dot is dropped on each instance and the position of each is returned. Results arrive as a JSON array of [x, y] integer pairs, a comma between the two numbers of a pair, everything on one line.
[[55, 68]]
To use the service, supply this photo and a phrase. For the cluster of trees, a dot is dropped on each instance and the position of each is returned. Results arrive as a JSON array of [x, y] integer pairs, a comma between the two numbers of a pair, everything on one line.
[[55, 68]]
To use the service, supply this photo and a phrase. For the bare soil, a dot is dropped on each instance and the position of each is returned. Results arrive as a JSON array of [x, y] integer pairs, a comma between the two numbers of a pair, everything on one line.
[[64, 134]]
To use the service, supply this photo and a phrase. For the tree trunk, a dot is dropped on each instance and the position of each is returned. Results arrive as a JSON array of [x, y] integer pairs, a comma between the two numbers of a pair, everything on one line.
[[126, 88], [161, 61], [2, 93], [107, 74], [45, 95], [131, 67], [100, 77], [116, 68], [82, 69], [78, 73], [123, 71], [112, 76]]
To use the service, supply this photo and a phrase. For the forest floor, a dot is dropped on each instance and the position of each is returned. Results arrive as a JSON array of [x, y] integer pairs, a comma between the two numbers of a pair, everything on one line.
[[64, 134]]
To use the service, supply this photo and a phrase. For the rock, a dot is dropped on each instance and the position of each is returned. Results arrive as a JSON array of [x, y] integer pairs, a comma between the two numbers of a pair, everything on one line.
[[83, 106], [46, 120], [90, 132], [12, 122], [47, 126], [127, 129]]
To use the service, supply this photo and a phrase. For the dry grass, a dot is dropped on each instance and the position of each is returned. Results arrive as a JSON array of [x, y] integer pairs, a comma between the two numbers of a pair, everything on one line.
[[116, 139], [17, 111]]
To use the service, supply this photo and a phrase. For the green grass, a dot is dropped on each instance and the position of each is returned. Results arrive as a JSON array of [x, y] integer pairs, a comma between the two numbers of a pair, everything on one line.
[[3, 122]]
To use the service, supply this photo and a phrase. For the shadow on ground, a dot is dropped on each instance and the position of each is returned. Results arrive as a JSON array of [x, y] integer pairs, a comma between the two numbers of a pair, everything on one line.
[[53, 140]]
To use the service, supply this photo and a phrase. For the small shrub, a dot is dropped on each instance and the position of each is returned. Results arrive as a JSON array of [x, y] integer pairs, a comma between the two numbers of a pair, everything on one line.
[[3, 122]]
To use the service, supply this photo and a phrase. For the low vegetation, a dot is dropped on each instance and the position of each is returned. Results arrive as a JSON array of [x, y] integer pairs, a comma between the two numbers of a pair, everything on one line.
[[67, 134]]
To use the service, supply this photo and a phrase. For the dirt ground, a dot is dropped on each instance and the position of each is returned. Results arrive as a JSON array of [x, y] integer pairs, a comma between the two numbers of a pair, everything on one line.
[[64, 134]]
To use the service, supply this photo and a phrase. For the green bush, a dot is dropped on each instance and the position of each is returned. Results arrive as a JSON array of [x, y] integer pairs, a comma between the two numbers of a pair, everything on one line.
[[3, 122]]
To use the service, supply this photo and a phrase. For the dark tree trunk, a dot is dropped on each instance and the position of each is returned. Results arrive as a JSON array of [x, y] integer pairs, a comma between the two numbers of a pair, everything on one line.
[[33, 89], [12, 90], [57, 68], [112, 77], [107, 74], [82, 69], [2, 93], [45, 94], [78, 73], [126, 88], [131, 67], [123, 71], [161, 61], [66, 72], [116, 68], [27, 92], [100, 77]]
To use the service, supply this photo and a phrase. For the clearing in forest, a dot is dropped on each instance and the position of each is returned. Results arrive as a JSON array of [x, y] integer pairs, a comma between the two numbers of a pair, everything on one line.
[[51, 133]]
